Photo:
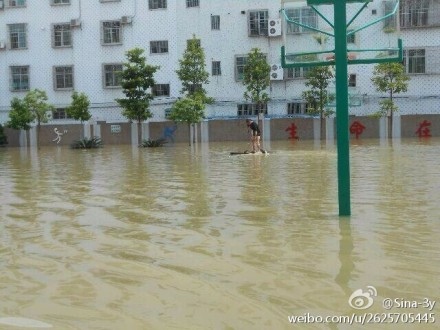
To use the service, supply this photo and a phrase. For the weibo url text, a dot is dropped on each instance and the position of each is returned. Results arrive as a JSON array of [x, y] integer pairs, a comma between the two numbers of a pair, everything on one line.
[[365, 318]]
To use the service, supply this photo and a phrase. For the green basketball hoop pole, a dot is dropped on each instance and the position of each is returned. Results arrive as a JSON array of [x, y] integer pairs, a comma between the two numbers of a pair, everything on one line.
[[341, 62], [340, 28]]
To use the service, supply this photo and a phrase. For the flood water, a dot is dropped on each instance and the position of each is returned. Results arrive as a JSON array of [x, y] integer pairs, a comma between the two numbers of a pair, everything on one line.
[[184, 237]]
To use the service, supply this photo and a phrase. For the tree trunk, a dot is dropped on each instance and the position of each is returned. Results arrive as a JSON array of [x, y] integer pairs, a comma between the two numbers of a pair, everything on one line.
[[139, 131], [189, 134], [38, 134]]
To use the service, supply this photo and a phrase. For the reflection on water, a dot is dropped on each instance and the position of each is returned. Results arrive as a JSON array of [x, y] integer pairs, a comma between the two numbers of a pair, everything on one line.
[[192, 238]]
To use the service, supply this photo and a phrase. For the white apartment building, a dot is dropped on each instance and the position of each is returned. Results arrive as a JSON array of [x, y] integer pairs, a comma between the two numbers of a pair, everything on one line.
[[65, 45]]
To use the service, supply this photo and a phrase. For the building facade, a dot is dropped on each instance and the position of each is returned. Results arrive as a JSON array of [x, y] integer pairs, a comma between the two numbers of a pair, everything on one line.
[[64, 45]]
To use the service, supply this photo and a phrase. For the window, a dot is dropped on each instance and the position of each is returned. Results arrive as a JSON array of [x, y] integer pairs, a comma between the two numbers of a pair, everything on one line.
[[296, 108], [351, 38], [389, 24], [60, 113], [216, 68], [19, 78], [295, 73], [16, 3], [167, 112], [215, 22], [63, 77], [352, 80], [258, 22], [17, 35], [112, 75], [111, 32], [414, 60], [305, 15], [60, 2], [161, 90], [159, 47], [240, 62], [251, 109], [62, 35], [157, 4], [418, 13], [192, 3]]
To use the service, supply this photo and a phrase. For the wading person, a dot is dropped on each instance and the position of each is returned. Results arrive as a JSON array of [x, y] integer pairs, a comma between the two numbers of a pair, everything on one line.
[[254, 130]]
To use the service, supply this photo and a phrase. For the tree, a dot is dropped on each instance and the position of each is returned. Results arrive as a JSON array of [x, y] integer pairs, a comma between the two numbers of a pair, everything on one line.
[[192, 74], [256, 78], [79, 108], [317, 97], [137, 78], [36, 102], [389, 78], [20, 116], [3, 137]]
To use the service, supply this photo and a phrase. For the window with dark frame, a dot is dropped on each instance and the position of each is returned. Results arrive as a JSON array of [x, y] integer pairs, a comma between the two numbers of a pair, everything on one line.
[[112, 75], [159, 47], [215, 22], [16, 3], [62, 35], [216, 68], [251, 109], [240, 62], [352, 80], [60, 113], [306, 16], [60, 2], [63, 77], [192, 3], [414, 60], [161, 90], [18, 36], [258, 23], [19, 78], [157, 4], [111, 32]]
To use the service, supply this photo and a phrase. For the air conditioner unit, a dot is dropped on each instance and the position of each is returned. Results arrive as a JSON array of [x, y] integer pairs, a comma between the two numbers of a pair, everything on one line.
[[274, 27], [13, 3], [276, 72], [126, 20], [75, 22]]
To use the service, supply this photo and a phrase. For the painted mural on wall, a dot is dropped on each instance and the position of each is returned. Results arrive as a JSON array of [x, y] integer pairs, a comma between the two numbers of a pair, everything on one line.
[[357, 128], [169, 132], [424, 129], [59, 135], [292, 129]]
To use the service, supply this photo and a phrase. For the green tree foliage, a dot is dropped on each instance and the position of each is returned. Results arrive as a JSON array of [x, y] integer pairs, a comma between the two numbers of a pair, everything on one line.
[[79, 108], [192, 74], [34, 107], [188, 109], [192, 70], [317, 97], [389, 78], [20, 116], [137, 78], [256, 78]]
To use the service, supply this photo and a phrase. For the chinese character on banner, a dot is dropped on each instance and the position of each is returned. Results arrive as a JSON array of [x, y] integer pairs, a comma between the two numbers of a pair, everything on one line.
[[292, 129], [357, 128], [424, 130]]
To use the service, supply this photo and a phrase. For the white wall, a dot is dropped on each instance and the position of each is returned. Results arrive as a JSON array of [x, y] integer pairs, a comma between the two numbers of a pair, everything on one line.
[[177, 24]]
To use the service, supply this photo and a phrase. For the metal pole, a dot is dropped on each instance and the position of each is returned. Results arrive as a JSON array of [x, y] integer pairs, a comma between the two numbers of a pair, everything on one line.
[[340, 19]]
